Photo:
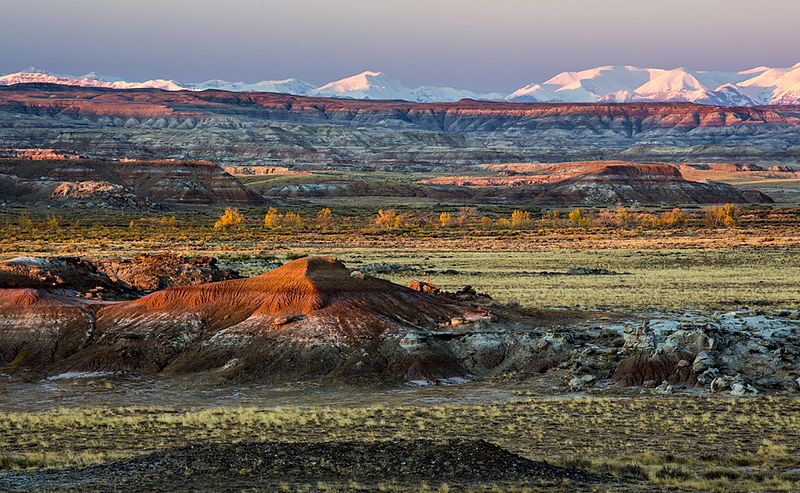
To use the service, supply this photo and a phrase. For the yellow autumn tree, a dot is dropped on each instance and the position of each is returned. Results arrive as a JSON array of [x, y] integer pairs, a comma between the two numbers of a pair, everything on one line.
[[520, 219], [388, 219], [324, 218], [724, 216], [446, 219], [577, 217], [229, 219], [272, 219]]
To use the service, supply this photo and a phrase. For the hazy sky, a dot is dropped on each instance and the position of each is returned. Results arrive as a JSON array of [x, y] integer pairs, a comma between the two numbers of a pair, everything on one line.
[[480, 45]]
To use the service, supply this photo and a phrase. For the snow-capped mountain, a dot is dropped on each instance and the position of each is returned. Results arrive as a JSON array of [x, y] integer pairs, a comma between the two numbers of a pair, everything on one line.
[[377, 85], [761, 85], [287, 86], [92, 79], [427, 94], [756, 86], [366, 85]]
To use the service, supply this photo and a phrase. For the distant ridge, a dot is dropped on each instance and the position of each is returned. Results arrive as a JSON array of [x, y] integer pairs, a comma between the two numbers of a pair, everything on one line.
[[757, 86]]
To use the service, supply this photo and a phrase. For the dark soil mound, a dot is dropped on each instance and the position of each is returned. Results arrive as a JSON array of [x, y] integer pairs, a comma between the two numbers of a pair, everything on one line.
[[267, 465]]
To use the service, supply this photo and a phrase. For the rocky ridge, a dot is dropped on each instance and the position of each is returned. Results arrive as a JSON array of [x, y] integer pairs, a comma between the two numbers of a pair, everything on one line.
[[242, 128]]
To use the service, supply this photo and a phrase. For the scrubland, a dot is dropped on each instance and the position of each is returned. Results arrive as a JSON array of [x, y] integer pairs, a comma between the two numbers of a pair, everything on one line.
[[648, 442], [689, 265]]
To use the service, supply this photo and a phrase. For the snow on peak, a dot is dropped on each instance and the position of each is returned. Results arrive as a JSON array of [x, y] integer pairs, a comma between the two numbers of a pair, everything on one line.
[[286, 86], [366, 85], [759, 85], [608, 83]]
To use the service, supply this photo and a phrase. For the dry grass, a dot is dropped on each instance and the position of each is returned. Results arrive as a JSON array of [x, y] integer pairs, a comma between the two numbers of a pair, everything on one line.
[[693, 443]]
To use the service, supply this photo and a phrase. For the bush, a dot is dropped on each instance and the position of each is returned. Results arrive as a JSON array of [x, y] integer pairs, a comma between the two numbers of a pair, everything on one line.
[[229, 219], [388, 219], [724, 216], [648, 221], [324, 219], [673, 218], [578, 218], [293, 220], [446, 219], [24, 221], [466, 215], [486, 222], [52, 222], [622, 218], [520, 219], [551, 218]]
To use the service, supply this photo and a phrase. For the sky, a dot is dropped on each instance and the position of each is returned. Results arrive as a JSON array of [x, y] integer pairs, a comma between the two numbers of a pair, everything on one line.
[[479, 45]]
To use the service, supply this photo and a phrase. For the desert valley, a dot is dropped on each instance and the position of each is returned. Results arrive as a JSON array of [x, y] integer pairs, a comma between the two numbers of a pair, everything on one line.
[[589, 283]]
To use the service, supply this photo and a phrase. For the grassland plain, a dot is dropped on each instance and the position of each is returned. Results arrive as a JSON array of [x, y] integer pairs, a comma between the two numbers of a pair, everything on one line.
[[676, 443], [641, 442], [753, 265]]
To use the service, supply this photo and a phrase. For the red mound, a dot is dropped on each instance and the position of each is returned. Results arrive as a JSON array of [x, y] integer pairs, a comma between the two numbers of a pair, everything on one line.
[[37, 326], [312, 316], [625, 173], [312, 288]]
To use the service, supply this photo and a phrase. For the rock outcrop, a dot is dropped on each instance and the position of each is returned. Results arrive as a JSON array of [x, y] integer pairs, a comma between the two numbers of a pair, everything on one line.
[[309, 318], [264, 466], [120, 183], [596, 183], [109, 278], [315, 319], [642, 184]]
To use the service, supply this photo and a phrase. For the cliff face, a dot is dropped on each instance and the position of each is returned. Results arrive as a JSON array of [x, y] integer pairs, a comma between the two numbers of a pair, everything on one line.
[[236, 128]]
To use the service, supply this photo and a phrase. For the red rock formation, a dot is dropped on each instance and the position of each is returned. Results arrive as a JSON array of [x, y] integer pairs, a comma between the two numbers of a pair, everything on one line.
[[254, 127], [641, 184], [148, 103], [310, 317], [600, 183], [125, 183]]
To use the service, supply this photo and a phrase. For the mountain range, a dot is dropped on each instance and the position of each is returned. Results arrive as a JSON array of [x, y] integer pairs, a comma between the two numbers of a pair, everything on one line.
[[757, 86]]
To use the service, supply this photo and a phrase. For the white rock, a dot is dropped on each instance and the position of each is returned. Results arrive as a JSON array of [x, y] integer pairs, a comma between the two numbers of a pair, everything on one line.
[[738, 389]]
